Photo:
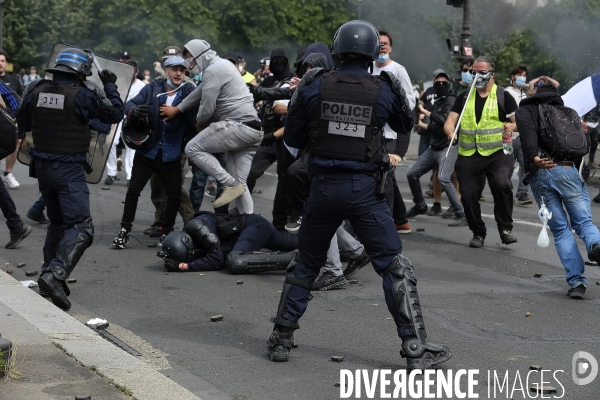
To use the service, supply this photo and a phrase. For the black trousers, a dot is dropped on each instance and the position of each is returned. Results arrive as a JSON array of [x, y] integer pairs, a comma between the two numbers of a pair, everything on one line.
[[593, 132], [472, 172], [281, 208], [170, 177], [394, 199], [265, 157], [298, 185]]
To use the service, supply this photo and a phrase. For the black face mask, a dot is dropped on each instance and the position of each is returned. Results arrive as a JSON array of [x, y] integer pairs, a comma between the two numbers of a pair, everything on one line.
[[441, 90], [277, 67]]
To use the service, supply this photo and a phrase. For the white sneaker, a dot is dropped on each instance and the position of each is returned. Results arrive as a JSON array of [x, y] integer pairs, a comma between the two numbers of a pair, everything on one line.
[[10, 181]]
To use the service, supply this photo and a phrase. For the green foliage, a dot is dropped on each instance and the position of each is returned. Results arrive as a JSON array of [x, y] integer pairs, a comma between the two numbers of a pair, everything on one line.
[[2, 362]]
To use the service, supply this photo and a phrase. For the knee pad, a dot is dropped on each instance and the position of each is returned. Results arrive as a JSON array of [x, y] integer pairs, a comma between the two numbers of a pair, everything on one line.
[[202, 236], [246, 263], [407, 306], [86, 227]]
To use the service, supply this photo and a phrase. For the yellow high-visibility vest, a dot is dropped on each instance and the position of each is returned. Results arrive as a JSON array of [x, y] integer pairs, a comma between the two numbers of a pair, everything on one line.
[[485, 136]]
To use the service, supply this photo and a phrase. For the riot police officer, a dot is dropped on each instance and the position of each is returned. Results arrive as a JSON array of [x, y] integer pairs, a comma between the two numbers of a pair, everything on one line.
[[339, 115], [58, 113]]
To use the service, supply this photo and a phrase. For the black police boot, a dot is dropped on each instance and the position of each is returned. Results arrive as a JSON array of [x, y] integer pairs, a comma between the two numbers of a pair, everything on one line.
[[279, 345], [423, 356], [407, 311], [597, 198], [54, 288]]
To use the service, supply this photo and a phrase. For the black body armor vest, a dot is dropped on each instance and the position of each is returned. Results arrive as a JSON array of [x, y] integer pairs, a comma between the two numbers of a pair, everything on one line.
[[54, 126], [228, 228], [271, 121], [345, 126]]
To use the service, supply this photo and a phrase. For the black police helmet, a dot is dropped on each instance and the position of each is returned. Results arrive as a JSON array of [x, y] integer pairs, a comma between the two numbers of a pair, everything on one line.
[[72, 60], [357, 37], [178, 245]]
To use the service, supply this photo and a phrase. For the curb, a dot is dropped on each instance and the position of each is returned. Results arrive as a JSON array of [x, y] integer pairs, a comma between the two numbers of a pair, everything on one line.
[[87, 347]]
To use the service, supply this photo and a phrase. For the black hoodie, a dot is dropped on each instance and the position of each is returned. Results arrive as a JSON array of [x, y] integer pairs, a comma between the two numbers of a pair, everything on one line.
[[527, 117], [286, 74]]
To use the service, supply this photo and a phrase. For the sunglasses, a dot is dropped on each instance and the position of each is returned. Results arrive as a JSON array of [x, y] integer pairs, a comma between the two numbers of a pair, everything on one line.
[[481, 72], [441, 83], [467, 70]]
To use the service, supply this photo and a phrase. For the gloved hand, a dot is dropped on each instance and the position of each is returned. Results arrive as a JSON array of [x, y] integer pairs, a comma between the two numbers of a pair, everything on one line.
[[268, 140], [107, 76], [172, 265], [140, 112], [250, 88]]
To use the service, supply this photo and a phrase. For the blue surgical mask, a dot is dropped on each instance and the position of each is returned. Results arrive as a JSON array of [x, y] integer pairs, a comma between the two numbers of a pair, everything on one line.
[[467, 78], [173, 85], [198, 78], [520, 81], [383, 58]]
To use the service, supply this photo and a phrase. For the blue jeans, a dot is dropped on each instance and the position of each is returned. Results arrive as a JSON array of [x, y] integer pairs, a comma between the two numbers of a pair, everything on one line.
[[38, 207], [199, 182], [561, 189]]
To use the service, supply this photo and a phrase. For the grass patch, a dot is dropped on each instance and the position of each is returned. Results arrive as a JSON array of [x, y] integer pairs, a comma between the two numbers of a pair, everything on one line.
[[93, 368], [122, 388]]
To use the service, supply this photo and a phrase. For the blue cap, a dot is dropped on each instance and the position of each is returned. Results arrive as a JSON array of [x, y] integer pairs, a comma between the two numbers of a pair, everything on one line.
[[175, 61]]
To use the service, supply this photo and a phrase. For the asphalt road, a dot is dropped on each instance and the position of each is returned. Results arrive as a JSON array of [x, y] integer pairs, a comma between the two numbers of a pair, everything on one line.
[[475, 300]]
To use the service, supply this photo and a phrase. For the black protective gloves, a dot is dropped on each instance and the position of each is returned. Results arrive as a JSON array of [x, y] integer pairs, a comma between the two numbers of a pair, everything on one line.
[[107, 76]]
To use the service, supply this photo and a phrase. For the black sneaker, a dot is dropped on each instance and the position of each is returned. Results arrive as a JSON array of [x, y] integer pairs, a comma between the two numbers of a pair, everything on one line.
[[416, 210], [435, 210], [121, 240], [449, 213], [293, 224], [279, 345], [594, 253], [110, 180], [508, 237], [576, 292], [355, 264], [597, 198], [328, 281], [459, 220], [17, 236], [476, 242], [429, 194], [39, 218], [154, 231]]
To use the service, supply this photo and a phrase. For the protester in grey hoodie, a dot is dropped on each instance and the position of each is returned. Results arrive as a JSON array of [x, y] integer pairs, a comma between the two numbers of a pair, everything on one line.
[[221, 94]]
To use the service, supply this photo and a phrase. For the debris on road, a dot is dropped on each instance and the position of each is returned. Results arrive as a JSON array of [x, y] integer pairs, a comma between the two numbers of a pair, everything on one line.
[[337, 358], [29, 283], [537, 275], [151, 245], [31, 273], [9, 271], [535, 367], [240, 282], [105, 188], [591, 263], [98, 323], [216, 318], [420, 229], [353, 281], [528, 314], [71, 280], [21, 265]]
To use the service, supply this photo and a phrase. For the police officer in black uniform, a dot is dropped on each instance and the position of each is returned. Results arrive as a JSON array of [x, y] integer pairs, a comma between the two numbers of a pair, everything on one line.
[[58, 113], [340, 116]]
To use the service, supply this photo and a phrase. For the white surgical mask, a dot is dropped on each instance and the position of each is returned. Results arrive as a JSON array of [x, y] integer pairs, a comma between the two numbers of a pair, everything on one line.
[[241, 68]]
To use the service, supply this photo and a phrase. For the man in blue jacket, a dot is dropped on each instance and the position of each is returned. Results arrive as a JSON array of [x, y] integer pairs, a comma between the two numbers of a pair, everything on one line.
[[339, 117], [163, 156]]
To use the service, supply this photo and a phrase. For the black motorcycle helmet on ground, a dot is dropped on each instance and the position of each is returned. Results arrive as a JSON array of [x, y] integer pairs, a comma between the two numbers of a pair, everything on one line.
[[73, 60], [356, 38]]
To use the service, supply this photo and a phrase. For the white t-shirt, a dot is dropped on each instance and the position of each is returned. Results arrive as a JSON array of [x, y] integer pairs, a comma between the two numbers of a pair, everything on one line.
[[399, 72], [518, 95]]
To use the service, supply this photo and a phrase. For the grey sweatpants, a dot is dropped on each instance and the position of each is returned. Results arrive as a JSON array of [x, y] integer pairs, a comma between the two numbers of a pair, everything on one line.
[[344, 241], [239, 143]]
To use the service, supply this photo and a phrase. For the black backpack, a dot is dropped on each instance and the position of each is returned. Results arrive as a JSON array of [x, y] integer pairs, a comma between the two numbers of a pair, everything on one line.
[[562, 126]]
